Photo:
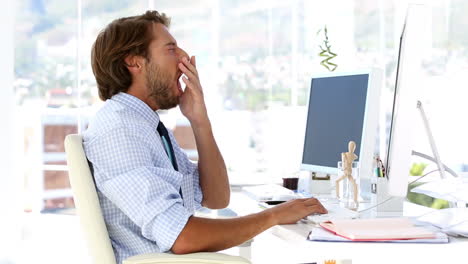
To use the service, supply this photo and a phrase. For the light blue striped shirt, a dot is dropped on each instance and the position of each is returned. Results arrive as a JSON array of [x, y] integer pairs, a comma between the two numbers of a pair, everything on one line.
[[137, 186]]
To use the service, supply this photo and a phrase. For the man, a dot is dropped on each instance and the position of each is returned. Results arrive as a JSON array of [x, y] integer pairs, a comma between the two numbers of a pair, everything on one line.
[[147, 187]]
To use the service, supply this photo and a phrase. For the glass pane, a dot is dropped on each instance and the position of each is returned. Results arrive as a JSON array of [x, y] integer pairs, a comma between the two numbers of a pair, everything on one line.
[[45, 81], [55, 87], [243, 84], [443, 90]]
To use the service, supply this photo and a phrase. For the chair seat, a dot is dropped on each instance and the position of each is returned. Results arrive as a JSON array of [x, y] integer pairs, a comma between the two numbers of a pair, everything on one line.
[[193, 258]]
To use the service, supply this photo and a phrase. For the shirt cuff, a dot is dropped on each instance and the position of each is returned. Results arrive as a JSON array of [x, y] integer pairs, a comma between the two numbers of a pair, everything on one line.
[[168, 225]]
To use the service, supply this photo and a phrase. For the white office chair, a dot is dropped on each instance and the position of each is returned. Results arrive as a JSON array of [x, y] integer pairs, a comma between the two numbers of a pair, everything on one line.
[[92, 222]]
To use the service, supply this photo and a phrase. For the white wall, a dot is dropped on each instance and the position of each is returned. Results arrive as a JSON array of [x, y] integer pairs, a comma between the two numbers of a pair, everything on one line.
[[10, 177]]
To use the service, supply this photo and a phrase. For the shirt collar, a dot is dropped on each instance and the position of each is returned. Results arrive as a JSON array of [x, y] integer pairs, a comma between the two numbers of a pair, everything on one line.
[[138, 106]]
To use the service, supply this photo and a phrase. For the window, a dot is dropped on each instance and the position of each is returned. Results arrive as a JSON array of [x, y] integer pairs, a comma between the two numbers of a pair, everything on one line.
[[55, 87], [255, 59]]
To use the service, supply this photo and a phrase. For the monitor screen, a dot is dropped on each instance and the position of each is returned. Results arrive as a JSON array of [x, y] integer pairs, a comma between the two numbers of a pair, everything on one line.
[[336, 115]]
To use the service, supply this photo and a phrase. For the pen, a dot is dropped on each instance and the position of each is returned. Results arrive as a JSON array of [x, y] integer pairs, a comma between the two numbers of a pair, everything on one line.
[[377, 172], [380, 168]]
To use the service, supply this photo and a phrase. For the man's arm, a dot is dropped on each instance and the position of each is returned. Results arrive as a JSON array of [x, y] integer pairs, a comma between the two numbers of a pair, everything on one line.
[[212, 170], [209, 235], [203, 234]]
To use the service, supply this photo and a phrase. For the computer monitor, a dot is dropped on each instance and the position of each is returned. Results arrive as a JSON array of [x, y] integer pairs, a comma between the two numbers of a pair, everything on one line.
[[399, 144], [399, 152], [342, 107]]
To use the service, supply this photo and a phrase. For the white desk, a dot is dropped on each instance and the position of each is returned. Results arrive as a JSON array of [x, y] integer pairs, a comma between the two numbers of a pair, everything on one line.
[[288, 244]]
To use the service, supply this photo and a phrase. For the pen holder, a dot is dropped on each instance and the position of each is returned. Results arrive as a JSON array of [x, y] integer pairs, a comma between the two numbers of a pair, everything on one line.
[[348, 193]]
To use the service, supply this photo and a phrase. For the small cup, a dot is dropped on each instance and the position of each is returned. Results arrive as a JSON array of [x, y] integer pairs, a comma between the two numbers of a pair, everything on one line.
[[290, 183]]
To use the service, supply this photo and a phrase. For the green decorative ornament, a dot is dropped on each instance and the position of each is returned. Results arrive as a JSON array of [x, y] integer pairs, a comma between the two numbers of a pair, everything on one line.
[[326, 52]]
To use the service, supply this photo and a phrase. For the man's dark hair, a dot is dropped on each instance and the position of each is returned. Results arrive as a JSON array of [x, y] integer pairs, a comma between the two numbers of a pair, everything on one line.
[[123, 37]]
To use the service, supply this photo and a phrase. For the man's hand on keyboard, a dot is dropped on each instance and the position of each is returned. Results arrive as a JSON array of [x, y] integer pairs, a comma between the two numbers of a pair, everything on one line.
[[292, 211]]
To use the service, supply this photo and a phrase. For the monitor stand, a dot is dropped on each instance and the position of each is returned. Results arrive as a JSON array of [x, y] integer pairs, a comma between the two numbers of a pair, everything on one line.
[[442, 168], [380, 198]]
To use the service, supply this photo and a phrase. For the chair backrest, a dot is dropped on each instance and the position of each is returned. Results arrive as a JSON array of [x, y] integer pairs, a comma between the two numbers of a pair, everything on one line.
[[87, 202]]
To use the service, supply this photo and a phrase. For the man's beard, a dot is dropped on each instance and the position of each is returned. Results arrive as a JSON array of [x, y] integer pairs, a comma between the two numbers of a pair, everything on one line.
[[159, 83]]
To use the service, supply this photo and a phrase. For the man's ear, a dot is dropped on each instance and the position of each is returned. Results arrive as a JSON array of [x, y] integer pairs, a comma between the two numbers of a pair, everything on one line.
[[133, 63]]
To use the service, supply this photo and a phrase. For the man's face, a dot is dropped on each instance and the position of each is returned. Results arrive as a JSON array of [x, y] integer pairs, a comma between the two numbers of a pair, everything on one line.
[[162, 72]]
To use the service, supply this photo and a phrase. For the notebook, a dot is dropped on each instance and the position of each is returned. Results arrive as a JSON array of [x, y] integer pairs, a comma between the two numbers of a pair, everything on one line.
[[322, 235], [376, 229]]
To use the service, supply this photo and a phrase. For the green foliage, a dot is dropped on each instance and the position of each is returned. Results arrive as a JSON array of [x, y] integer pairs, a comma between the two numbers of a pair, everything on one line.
[[424, 200], [417, 169], [326, 52], [440, 204], [419, 198]]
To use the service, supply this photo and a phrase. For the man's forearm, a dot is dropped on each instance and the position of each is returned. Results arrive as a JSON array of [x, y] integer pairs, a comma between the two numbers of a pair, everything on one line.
[[204, 234], [213, 174]]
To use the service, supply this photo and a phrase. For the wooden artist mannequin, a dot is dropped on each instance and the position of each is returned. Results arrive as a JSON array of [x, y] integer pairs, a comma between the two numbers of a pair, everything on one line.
[[347, 159]]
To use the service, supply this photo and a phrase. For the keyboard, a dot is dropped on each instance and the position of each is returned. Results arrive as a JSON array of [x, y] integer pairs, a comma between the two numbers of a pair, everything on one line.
[[335, 211], [268, 192]]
